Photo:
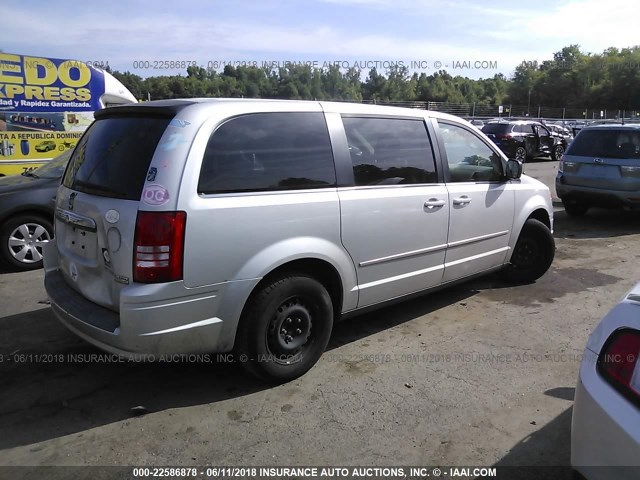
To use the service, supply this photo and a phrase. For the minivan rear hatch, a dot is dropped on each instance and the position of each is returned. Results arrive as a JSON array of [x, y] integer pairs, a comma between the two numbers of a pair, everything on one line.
[[604, 158], [98, 201]]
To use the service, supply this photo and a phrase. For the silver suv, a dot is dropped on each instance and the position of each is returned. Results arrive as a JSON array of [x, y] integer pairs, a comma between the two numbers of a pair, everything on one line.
[[601, 168], [213, 225]]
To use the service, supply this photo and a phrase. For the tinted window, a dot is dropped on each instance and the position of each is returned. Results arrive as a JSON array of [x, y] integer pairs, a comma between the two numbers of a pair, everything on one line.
[[113, 156], [388, 151], [606, 143], [268, 151], [469, 158], [496, 128]]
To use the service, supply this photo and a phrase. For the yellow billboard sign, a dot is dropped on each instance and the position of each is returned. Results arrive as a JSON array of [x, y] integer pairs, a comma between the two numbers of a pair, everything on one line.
[[20, 151], [48, 84]]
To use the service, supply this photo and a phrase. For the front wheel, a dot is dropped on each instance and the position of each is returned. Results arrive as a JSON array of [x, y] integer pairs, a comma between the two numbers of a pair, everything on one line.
[[285, 328], [532, 255]]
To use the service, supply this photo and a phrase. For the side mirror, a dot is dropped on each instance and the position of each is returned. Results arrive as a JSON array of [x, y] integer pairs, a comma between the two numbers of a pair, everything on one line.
[[514, 170]]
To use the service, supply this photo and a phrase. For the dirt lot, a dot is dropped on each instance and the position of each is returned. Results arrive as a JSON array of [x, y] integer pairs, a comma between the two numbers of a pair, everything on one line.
[[480, 374]]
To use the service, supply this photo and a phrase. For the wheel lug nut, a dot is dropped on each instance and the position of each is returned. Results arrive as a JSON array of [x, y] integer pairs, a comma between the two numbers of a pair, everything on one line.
[[283, 331], [299, 320], [298, 331], [289, 320], [288, 338]]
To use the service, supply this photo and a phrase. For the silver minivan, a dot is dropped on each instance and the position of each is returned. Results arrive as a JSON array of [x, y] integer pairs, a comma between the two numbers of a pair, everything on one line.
[[250, 226]]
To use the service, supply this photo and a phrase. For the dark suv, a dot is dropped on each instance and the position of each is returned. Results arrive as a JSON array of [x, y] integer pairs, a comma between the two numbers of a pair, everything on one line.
[[525, 139]]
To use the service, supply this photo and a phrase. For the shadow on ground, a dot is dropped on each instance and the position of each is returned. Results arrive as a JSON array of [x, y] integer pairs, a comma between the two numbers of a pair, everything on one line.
[[597, 223], [544, 454], [52, 386]]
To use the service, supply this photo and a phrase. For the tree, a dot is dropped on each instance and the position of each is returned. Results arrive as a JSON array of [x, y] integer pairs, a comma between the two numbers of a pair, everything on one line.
[[133, 83]]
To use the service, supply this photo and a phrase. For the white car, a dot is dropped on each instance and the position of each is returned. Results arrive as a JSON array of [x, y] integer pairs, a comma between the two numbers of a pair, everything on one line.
[[605, 436]]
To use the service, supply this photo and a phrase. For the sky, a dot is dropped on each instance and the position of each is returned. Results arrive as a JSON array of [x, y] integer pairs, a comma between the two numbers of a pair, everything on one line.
[[477, 39]]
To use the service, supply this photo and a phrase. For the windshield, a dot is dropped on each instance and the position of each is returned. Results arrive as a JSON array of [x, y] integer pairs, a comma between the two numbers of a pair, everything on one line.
[[54, 168]]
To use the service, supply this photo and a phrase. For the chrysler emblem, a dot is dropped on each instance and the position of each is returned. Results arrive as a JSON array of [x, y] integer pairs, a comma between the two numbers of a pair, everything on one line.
[[72, 198], [597, 160]]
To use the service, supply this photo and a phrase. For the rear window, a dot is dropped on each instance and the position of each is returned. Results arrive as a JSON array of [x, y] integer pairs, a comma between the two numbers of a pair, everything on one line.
[[606, 143], [268, 151], [113, 156], [496, 128]]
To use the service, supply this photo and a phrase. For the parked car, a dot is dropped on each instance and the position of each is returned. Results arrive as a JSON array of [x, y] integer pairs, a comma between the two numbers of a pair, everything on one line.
[[252, 225], [45, 146], [560, 131], [26, 213], [605, 433], [601, 168], [576, 126], [525, 139]]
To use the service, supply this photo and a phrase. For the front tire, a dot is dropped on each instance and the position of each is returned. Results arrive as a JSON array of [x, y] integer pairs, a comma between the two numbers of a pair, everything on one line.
[[532, 255], [22, 239], [285, 328]]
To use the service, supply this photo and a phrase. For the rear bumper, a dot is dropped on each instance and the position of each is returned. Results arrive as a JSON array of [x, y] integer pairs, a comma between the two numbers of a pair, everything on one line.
[[605, 440], [596, 196], [152, 319]]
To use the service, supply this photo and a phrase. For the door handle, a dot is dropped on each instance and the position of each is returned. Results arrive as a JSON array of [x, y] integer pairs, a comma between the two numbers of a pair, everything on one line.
[[463, 200], [434, 203]]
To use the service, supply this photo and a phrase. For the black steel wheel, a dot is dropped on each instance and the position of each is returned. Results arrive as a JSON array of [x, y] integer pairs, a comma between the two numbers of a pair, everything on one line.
[[285, 328], [533, 253]]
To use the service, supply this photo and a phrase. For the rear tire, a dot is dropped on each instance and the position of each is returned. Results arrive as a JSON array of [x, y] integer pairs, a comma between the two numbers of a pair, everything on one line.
[[285, 328], [21, 241], [532, 255], [557, 153], [575, 209], [521, 154]]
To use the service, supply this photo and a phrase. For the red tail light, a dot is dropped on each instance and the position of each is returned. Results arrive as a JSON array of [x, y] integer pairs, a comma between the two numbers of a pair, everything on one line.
[[618, 363], [504, 136], [158, 248]]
